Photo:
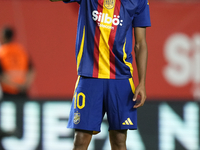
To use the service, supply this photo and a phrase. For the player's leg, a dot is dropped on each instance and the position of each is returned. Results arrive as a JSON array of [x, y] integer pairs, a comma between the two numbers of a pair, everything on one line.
[[86, 112], [118, 139], [82, 139], [120, 112]]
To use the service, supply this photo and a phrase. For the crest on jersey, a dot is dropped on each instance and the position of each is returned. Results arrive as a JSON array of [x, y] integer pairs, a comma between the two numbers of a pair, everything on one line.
[[109, 4], [77, 118]]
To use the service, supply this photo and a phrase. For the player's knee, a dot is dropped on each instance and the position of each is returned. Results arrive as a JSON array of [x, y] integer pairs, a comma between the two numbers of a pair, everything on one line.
[[118, 138], [118, 142], [82, 139]]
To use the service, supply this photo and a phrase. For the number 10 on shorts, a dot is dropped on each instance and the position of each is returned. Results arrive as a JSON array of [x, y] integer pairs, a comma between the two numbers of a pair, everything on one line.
[[77, 98]]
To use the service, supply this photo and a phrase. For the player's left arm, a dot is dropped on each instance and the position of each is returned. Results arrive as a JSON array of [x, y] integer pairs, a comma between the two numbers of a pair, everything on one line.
[[141, 55]]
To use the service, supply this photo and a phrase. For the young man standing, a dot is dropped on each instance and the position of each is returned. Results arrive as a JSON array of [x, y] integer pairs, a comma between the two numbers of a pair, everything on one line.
[[104, 65]]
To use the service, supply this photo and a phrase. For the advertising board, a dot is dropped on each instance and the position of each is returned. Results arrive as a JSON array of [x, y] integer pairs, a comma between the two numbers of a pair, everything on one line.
[[42, 126]]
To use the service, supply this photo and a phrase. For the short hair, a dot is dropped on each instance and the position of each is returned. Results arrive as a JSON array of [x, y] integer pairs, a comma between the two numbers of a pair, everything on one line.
[[8, 33]]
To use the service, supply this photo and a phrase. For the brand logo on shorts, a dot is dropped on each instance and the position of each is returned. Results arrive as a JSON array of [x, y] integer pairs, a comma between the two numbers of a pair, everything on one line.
[[127, 122], [109, 4], [77, 118]]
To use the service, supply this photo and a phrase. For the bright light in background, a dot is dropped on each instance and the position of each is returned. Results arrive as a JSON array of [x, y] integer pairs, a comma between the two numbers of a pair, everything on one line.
[[8, 119], [183, 57], [53, 127], [31, 134], [172, 127]]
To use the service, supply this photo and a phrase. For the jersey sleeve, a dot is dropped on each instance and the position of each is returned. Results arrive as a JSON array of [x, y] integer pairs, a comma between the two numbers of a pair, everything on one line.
[[70, 1], [142, 16]]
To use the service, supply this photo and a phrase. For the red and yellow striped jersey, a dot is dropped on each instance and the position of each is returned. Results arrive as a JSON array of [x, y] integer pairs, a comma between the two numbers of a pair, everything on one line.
[[104, 36]]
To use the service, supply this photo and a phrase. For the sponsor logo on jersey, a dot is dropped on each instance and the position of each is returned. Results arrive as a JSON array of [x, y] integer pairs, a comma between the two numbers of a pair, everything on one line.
[[109, 4], [104, 20], [77, 118], [127, 122]]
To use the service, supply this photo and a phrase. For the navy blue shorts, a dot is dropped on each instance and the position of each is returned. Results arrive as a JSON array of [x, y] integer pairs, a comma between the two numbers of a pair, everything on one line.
[[94, 97]]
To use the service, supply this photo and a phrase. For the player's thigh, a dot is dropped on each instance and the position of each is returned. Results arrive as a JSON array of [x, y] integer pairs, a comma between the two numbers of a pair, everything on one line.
[[120, 112], [87, 106]]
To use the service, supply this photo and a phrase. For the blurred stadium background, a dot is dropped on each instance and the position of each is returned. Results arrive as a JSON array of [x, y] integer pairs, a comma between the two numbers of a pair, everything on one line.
[[169, 120]]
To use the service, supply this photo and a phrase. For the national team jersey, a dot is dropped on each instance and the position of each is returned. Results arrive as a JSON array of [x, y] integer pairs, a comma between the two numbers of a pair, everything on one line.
[[104, 36]]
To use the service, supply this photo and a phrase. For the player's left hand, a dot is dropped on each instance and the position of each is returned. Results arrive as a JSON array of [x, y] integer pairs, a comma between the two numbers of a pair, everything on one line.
[[141, 91]]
